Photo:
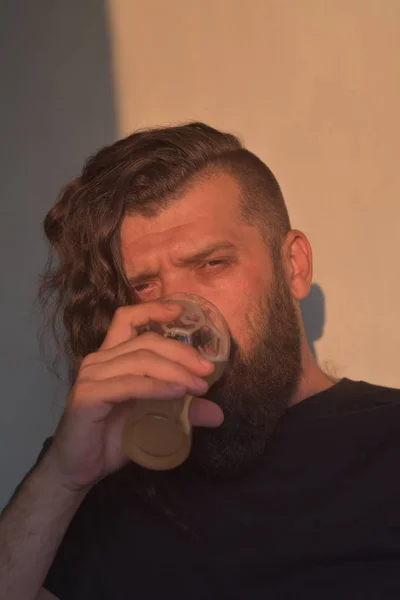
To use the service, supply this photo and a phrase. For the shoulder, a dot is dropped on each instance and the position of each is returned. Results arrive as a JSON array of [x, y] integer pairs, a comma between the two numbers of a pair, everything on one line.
[[373, 396], [372, 408], [373, 389], [359, 405], [364, 392]]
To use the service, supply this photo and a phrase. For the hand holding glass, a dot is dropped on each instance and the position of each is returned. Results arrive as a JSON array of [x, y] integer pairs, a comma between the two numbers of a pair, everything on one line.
[[157, 434]]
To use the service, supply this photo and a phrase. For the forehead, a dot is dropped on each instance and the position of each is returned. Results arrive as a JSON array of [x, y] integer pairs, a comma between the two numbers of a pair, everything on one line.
[[208, 212]]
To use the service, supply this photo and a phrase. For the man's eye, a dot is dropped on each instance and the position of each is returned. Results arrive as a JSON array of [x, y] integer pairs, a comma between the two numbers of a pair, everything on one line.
[[212, 265], [141, 287]]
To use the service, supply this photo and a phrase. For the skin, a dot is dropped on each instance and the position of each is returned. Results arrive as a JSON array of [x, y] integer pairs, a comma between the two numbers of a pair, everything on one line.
[[154, 253]]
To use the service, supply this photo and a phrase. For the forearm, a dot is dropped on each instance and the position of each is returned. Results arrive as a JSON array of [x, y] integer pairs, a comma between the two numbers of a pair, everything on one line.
[[31, 529]]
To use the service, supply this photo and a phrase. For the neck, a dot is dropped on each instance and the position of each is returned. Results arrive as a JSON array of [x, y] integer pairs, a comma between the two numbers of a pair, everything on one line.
[[313, 380]]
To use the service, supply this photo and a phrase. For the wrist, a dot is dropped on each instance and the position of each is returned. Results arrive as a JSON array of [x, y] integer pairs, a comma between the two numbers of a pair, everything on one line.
[[48, 479]]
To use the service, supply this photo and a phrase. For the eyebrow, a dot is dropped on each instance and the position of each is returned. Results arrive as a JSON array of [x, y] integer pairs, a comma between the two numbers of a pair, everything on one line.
[[188, 260]]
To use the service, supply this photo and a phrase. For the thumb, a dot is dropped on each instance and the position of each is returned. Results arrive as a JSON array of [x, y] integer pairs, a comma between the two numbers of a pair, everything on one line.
[[204, 413]]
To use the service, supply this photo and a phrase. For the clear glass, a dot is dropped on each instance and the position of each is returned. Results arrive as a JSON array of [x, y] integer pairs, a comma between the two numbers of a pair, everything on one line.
[[200, 325]]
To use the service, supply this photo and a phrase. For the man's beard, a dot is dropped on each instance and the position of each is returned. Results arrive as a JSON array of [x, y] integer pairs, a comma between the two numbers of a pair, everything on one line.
[[256, 390]]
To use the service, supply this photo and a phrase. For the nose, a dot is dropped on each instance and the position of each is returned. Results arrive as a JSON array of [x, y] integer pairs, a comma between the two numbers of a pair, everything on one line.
[[179, 282]]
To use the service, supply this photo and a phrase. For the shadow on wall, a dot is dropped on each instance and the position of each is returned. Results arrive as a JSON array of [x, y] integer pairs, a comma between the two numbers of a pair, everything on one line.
[[313, 313], [57, 109]]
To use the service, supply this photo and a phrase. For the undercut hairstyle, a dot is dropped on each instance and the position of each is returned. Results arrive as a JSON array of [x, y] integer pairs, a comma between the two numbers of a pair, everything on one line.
[[84, 281]]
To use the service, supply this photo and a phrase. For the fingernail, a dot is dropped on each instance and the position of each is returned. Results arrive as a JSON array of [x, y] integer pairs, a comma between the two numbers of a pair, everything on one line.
[[204, 362], [200, 384], [177, 388], [170, 306]]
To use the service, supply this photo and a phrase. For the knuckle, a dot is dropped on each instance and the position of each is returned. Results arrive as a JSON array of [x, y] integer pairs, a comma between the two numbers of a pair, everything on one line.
[[151, 337], [120, 313], [143, 354], [89, 359], [81, 391], [86, 369]]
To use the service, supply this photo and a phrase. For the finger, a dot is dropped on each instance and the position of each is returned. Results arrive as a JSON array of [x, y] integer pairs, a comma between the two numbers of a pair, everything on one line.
[[127, 319], [116, 390], [149, 364], [166, 347], [204, 413]]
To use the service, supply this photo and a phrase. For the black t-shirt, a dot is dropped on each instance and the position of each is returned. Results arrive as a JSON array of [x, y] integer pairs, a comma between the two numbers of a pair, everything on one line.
[[318, 517]]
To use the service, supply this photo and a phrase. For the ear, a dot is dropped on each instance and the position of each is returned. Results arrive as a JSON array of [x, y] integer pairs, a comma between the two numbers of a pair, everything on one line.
[[297, 261]]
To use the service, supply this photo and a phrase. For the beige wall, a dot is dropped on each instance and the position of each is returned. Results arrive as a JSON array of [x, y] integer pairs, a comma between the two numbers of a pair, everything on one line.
[[313, 87]]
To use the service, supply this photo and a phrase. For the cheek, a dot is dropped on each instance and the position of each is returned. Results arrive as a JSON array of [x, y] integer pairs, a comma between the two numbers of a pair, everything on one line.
[[242, 317], [243, 303]]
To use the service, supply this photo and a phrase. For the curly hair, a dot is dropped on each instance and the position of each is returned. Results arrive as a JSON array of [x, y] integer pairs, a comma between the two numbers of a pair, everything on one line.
[[84, 281]]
